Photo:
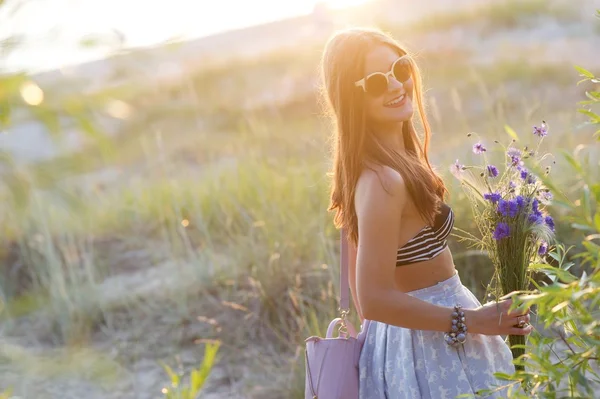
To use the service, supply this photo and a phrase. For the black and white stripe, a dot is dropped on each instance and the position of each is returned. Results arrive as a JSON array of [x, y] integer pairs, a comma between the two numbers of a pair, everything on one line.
[[427, 244]]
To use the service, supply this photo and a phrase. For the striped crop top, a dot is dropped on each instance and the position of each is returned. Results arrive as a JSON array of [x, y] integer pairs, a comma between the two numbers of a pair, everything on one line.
[[429, 242]]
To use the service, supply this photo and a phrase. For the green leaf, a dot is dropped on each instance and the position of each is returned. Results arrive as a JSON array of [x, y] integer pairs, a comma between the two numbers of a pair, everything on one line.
[[584, 72], [195, 381], [593, 95], [595, 118], [551, 270], [553, 255], [174, 377], [591, 247], [597, 219], [573, 162], [210, 354], [511, 132], [586, 203], [584, 227], [595, 188], [568, 265], [560, 306]]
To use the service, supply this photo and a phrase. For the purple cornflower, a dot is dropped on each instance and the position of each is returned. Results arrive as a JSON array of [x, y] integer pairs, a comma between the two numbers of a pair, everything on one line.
[[492, 197], [503, 207], [456, 168], [508, 208], [524, 173], [513, 208], [535, 206], [512, 184], [492, 171], [549, 222], [535, 218], [543, 248], [502, 231], [546, 197], [520, 201], [515, 155], [478, 148], [541, 131]]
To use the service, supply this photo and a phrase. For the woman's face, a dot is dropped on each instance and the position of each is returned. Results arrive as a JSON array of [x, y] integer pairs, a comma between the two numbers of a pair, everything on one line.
[[394, 104]]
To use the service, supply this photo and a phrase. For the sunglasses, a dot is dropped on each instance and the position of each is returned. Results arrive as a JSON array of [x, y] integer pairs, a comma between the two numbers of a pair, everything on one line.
[[377, 83]]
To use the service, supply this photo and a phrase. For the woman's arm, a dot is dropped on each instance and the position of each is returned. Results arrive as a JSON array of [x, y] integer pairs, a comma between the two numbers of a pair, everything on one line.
[[379, 213], [352, 278]]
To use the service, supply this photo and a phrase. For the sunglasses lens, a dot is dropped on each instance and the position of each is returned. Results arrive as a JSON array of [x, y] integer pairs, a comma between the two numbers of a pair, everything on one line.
[[402, 71], [376, 85]]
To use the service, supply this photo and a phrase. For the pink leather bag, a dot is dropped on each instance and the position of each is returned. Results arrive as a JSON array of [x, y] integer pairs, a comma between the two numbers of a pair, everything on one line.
[[332, 362]]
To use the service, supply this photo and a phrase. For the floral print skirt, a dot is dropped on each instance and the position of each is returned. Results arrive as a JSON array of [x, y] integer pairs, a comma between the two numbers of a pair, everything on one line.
[[398, 363]]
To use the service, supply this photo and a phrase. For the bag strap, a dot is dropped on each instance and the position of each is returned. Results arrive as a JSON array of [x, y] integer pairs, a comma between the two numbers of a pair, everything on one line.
[[344, 287]]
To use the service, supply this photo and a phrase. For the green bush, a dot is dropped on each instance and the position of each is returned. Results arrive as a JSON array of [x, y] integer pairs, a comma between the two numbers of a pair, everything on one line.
[[567, 365]]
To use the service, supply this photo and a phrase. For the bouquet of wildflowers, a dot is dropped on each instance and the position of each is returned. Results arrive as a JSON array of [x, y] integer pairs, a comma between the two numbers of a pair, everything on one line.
[[509, 203]]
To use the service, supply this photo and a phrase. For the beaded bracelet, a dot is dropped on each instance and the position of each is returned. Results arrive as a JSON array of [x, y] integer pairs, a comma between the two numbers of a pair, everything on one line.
[[458, 334]]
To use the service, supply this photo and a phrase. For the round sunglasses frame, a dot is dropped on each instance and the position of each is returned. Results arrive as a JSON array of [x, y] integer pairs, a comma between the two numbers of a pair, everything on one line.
[[362, 83]]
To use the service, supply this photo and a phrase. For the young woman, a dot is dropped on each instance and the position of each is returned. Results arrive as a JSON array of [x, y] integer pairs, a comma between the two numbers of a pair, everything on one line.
[[391, 203]]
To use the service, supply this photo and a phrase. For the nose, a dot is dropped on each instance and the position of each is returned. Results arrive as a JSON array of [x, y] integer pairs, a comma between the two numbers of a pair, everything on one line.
[[394, 84]]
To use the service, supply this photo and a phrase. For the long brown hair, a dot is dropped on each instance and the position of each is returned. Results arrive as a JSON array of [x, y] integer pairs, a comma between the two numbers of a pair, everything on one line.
[[354, 147]]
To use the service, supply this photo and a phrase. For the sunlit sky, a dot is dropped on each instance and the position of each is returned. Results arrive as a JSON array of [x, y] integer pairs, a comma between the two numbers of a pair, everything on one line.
[[52, 29]]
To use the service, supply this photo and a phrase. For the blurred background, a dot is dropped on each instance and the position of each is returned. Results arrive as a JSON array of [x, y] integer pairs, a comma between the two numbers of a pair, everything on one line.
[[163, 175]]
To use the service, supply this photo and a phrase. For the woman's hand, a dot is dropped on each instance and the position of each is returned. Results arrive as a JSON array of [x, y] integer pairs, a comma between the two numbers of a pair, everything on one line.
[[494, 318]]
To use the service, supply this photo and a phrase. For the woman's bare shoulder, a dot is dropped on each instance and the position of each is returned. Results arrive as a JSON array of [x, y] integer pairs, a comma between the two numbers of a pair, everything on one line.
[[380, 186]]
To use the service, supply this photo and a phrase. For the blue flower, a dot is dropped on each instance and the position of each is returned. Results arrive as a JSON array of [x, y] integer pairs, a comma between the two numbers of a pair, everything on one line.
[[492, 171], [546, 197], [503, 207], [513, 208], [535, 218], [534, 206], [543, 248], [508, 208], [515, 155], [524, 173], [541, 131], [520, 200], [549, 222], [478, 148], [502, 231], [492, 197], [456, 168]]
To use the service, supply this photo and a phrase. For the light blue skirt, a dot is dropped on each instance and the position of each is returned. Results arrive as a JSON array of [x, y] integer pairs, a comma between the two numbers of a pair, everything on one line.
[[398, 363]]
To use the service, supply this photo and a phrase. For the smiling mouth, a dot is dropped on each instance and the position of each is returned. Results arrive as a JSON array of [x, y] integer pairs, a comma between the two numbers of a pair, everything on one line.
[[396, 101]]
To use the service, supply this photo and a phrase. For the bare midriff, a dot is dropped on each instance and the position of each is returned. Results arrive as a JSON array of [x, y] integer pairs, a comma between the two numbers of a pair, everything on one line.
[[425, 274]]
